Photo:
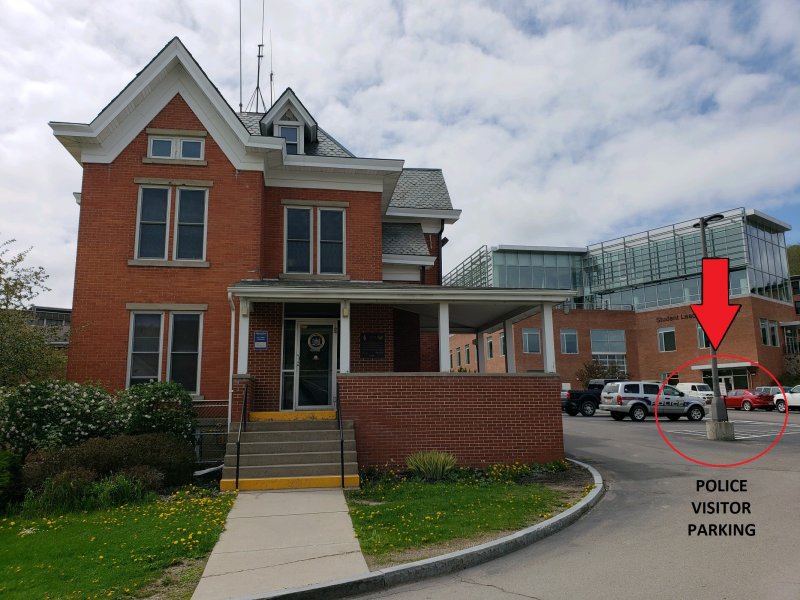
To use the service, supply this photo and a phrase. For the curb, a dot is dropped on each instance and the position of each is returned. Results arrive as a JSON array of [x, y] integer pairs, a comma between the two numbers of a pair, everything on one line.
[[383, 579]]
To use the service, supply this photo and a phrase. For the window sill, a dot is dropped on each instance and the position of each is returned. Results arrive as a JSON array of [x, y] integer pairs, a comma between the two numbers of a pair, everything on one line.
[[313, 276], [147, 262], [174, 161]]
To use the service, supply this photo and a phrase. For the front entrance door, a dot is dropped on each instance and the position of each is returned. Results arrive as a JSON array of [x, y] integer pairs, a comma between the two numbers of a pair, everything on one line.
[[315, 365]]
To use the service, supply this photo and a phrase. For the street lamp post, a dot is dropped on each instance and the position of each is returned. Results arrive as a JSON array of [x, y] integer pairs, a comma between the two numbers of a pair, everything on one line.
[[719, 413]]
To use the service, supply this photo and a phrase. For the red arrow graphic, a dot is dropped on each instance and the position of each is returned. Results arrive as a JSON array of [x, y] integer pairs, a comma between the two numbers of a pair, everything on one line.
[[716, 313]]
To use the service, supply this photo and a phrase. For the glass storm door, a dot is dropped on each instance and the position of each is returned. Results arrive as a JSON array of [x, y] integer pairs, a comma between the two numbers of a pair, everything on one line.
[[315, 357]]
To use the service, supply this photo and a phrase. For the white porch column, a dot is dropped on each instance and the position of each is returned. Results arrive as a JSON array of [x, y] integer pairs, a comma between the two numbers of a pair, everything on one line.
[[444, 337], [511, 362], [244, 335], [344, 336], [480, 351], [549, 343]]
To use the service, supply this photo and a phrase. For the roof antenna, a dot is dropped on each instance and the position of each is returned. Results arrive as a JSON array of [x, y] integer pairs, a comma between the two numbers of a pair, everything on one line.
[[240, 55], [271, 73], [257, 92]]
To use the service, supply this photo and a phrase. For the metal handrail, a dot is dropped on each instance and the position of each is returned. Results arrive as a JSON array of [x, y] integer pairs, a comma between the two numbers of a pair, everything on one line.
[[242, 427], [341, 431]]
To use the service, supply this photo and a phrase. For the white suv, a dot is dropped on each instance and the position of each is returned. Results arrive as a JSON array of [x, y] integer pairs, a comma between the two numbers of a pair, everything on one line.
[[637, 399], [699, 390]]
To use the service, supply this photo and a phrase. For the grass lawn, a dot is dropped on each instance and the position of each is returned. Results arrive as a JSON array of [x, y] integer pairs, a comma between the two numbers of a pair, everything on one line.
[[108, 553], [393, 516]]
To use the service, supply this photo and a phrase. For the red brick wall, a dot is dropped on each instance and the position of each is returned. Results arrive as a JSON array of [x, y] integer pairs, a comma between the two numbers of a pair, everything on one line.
[[264, 366], [104, 282], [429, 351], [371, 318], [432, 273], [240, 382], [363, 230], [481, 419]]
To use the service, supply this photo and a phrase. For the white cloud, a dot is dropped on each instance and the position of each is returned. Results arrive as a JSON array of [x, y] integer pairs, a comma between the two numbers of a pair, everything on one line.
[[555, 123]]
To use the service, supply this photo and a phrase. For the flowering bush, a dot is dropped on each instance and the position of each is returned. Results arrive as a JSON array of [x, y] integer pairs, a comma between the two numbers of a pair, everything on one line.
[[161, 407], [54, 414]]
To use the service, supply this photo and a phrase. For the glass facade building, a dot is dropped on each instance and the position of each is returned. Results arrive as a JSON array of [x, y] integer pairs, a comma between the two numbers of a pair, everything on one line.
[[656, 268]]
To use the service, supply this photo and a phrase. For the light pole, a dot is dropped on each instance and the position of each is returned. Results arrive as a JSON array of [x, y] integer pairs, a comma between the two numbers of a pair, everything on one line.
[[719, 413]]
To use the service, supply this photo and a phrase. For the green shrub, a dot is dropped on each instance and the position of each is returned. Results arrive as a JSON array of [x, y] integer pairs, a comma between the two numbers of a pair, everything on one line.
[[171, 457], [78, 489], [54, 414], [9, 478], [151, 479], [156, 407], [431, 465]]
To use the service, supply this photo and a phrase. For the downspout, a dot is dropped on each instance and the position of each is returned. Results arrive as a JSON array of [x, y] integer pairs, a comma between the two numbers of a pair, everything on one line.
[[439, 251], [233, 341]]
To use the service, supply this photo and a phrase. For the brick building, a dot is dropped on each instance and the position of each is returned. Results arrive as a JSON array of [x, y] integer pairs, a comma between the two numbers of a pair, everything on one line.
[[632, 304], [255, 260]]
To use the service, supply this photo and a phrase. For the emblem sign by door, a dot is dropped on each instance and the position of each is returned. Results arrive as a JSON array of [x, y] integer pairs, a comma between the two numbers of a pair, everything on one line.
[[260, 340], [316, 342]]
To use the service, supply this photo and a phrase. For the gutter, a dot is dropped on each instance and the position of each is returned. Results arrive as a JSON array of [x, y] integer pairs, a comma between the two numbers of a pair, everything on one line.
[[439, 252], [233, 341]]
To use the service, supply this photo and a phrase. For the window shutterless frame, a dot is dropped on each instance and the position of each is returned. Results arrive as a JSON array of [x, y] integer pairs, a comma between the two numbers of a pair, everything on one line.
[[155, 147], [139, 222], [286, 238], [320, 241], [131, 328], [299, 128], [176, 227], [172, 315], [157, 143]]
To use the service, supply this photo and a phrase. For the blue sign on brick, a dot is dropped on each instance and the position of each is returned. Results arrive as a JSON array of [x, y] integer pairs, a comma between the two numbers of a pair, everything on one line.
[[260, 340]]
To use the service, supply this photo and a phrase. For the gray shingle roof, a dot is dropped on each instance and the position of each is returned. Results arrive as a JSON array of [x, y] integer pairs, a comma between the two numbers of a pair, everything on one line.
[[325, 145], [404, 238], [421, 188]]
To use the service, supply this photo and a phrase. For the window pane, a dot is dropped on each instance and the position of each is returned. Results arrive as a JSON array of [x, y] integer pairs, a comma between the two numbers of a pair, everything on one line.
[[190, 242], [161, 148], [331, 257], [289, 133], [291, 149], [152, 238], [184, 370], [331, 222], [154, 205], [298, 223], [298, 259], [144, 365], [191, 148], [192, 206], [146, 332], [185, 332]]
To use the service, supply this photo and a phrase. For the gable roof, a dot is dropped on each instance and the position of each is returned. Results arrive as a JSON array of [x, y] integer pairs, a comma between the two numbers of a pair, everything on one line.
[[404, 238], [277, 110], [421, 189]]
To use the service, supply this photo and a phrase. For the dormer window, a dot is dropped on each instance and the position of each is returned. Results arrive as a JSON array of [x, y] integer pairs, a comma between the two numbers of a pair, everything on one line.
[[293, 135]]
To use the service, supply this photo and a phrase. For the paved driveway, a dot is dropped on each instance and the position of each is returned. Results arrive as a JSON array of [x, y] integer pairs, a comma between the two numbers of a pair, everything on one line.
[[635, 545]]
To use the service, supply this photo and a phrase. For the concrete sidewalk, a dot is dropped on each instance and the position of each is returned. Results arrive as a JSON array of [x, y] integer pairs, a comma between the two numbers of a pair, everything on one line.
[[282, 539]]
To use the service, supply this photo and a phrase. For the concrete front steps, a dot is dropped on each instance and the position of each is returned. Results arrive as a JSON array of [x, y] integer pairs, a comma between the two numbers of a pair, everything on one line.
[[291, 450]]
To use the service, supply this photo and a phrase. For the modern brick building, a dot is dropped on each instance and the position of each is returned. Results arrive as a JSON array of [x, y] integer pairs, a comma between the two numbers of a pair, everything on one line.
[[632, 304], [252, 256]]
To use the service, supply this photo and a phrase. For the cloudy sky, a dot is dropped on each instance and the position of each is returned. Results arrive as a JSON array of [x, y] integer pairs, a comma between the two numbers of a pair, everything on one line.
[[560, 123]]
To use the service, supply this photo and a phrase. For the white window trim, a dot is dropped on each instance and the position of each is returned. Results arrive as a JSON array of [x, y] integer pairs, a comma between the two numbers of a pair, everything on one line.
[[662, 346], [319, 239], [278, 125], [139, 222], [176, 152], [701, 338], [466, 354], [502, 344], [286, 237], [577, 342], [199, 346], [175, 226], [130, 342], [489, 348], [539, 335]]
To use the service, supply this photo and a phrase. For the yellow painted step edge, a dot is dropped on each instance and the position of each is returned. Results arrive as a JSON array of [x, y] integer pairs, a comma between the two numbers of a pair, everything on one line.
[[290, 483], [300, 415]]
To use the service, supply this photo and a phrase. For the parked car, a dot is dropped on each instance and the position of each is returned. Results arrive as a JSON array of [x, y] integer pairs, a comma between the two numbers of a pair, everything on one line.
[[698, 390], [790, 400], [637, 399], [748, 400], [585, 401]]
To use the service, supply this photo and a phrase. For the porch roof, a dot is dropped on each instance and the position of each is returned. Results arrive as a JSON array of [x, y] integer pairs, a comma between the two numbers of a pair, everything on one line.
[[471, 309]]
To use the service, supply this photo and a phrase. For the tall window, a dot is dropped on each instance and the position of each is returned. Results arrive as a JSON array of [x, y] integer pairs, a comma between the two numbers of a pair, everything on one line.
[[290, 134], [458, 357], [702, 338], [490, 347], [190, 226], [769, 332], [531, 342], [145, 348], [331, 241], [502, 344], [666, 339], [184, 355], [569, 341], [608, 347], [466, 353], [298, 240], [151, 241]]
